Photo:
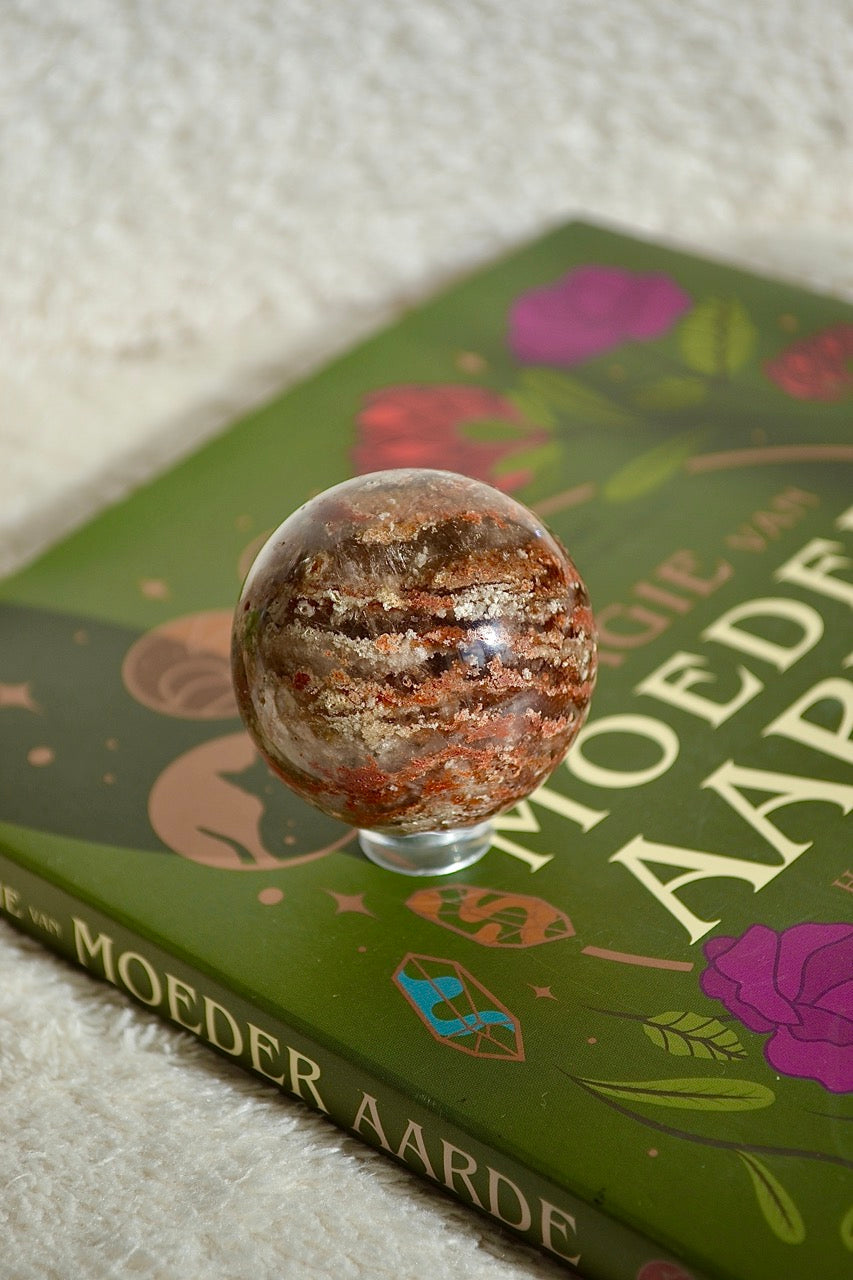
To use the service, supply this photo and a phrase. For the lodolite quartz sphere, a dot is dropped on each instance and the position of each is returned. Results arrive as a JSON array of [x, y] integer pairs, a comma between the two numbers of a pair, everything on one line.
[[413, 651]]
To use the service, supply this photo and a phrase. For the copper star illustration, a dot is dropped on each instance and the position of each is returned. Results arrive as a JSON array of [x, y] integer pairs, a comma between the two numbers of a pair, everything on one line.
[[18, 695], [542, 993], [349, 902]]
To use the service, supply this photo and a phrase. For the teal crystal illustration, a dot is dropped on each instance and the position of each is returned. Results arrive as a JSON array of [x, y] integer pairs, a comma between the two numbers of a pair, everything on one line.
[[459, 1010]]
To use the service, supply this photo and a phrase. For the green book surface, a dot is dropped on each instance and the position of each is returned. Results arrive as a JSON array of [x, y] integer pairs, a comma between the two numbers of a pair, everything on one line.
[[627, 1032]]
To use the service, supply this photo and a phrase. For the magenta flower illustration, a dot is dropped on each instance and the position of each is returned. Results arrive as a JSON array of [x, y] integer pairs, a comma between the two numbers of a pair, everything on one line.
[[592, 310], [796, 984]]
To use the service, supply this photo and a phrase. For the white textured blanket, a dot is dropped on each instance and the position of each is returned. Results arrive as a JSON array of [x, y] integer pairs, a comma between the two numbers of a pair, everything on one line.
[[199, 202]]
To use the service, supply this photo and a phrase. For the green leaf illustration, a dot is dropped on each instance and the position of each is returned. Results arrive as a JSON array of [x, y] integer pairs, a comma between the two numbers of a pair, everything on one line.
[[693, 1035], [573, 398], [534, 408], [675, 391], [492, 430], [780, 1213], [717, 337], [544, 455], [650, 470], [702, 1094], [846, 1229]]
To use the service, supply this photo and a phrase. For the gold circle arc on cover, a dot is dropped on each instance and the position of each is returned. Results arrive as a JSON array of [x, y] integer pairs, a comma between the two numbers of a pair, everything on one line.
[[413, 652]]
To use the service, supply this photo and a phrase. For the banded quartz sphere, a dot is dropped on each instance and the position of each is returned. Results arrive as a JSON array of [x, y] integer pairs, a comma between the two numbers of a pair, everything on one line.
[[414, 652]]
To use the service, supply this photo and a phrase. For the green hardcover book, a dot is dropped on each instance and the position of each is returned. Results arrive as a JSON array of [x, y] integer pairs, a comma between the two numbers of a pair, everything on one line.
[[628, 1031]]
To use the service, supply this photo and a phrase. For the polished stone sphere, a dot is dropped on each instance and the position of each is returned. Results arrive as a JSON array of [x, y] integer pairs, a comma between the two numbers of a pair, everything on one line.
[[413, 651]]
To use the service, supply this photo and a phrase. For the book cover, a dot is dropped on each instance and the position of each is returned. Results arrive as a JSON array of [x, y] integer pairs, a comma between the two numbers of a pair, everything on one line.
[[627, 1032]]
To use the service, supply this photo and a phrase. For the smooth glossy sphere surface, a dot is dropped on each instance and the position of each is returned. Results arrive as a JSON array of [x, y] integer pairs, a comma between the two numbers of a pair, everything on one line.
[[413, 651]]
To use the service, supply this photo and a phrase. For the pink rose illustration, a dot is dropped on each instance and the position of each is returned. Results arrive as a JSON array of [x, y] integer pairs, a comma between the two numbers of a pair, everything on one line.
[[414, 425], [796, 984], [590, 311], [817, 367]]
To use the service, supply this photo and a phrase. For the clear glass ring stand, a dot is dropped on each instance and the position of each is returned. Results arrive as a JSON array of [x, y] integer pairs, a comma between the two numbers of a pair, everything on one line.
[[427, 853]]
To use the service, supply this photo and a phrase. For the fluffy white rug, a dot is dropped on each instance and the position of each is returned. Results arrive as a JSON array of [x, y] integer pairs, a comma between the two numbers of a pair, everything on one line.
[[200, 202]]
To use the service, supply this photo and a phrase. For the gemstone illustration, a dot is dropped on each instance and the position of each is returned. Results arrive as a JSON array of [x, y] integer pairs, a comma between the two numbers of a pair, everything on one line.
[[491, 917], [413, 652], [458, 1009]]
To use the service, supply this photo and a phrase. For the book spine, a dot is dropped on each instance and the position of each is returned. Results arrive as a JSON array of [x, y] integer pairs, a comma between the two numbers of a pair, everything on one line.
[[377, 1111]]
